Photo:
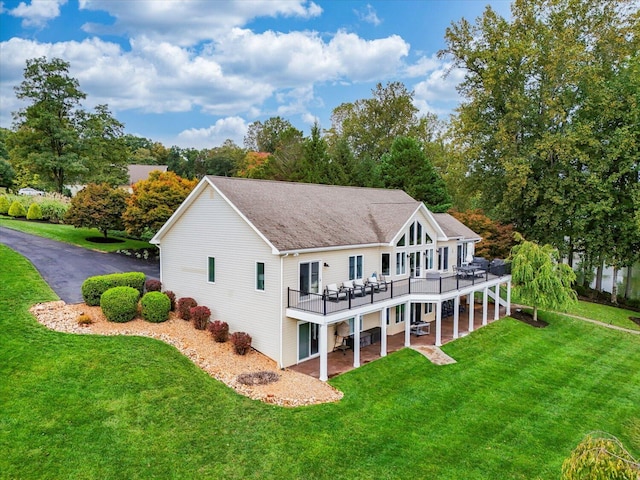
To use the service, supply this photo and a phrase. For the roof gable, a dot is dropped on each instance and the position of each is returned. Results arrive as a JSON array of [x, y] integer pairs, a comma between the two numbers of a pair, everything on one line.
[[454, 228]]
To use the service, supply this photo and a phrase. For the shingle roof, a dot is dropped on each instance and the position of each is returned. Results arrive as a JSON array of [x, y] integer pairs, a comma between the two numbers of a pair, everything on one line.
[[296, 216], [454, 228], [141, 172]]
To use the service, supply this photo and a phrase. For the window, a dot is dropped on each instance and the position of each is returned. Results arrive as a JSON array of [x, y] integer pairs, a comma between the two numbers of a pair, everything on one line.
[[427, 238], [352, 322], [415, 234], [386, 261], [259, 276], [355, 267], [401, 263], [418, 233], [400, 313], [401, 242], [443, 258], [428, 307], [212, 269], [428, 259], [388, 315]]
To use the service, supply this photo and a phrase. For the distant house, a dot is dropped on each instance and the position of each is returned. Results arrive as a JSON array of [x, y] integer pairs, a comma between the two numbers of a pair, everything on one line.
[[141, 172], [30, 191], [295, 264]]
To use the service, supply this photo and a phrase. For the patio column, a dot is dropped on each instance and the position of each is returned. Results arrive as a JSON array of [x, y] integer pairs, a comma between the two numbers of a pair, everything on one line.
[[323, 352], [509, 297], [439, 324], [383, 333], [496, 315], [485, 304], [456, 316], [356, 341], [471, 303], [407, 325]]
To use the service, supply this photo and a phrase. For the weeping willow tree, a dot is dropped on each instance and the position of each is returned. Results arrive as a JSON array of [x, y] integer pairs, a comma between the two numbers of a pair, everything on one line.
[[539, 278]]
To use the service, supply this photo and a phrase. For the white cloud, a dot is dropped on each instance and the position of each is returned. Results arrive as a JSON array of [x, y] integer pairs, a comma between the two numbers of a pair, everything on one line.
[[38, 12], [233, 128], [188, 23], [439, 87], [369, 15], [423, 66]]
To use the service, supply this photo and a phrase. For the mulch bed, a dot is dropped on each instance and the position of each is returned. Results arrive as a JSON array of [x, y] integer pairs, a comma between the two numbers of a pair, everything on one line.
[[635, 320], [527, 318]]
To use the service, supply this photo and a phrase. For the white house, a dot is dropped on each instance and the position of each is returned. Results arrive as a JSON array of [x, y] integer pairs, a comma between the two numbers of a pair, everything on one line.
[[269, 258]]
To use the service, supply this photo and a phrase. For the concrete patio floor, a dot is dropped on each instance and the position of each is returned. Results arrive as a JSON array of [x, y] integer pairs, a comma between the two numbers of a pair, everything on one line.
[[340, 362]]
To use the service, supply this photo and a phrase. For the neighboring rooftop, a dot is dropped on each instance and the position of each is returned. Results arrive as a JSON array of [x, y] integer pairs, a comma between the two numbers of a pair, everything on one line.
[[141, 172]]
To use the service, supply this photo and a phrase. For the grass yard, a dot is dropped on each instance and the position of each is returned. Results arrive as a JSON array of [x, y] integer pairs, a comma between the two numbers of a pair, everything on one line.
[[516, 403], [70, 234]]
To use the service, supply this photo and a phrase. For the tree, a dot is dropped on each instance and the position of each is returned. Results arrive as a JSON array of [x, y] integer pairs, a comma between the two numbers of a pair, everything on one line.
[[601, 457], [406, 167], [315, 165], [98, 206], [497, 238], [153, 201], [270, 135], [539, 279]]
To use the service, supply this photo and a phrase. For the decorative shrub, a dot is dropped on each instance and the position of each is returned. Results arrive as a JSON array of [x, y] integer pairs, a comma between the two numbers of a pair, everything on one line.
[[153, 285], [219, 330], [17, 210], [200, 316], [172, 297], [258, 378], [184, 307], [35, 212], [120, 304], [241, 342], [84, 320], [94, 287], [155, 307], [53, 210], [4, 205]]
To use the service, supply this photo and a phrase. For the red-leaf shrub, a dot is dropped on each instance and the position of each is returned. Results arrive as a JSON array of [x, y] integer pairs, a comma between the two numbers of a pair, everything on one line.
[[200, 316], [172, 298], [219, 330], [241, 342], [153, 285], [184, 307]]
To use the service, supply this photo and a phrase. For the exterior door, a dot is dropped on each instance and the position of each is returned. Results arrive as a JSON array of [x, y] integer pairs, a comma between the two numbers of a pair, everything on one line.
[[307, 340], [309, 278], [415, 264]]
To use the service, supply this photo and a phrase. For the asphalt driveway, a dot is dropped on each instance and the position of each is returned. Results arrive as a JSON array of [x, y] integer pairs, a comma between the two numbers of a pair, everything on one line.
[[64, 267]]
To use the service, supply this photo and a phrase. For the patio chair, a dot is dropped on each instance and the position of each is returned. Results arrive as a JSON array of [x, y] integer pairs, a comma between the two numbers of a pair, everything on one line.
[[333, 292], [359, 284], [353, 290]]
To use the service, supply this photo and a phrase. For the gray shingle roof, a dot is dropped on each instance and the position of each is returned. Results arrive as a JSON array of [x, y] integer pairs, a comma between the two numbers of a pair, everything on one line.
[[141, 172], [454, 228], [296, 216]]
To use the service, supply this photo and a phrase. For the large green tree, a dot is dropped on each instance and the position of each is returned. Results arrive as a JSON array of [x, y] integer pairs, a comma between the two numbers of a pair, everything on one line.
[[533, 145], [99, 206], [407, 167]]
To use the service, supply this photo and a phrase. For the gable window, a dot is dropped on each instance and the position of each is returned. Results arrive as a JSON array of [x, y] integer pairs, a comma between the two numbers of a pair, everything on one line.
[[401, 263], [427, 238], [386, 260], [355, 267], [400, 313], [401, 242], [415, 234], [418, 233], [259, 276], [211, 271], [443, 258]]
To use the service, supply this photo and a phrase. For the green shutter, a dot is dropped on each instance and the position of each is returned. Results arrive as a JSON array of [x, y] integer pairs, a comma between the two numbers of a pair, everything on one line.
[[212, 269]]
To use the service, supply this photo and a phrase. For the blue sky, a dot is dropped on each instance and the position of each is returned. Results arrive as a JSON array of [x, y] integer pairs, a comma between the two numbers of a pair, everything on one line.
[[194, 73]]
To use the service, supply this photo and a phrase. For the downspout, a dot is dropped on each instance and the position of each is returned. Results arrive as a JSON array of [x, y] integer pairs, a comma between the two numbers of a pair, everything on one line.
[[281, 310]]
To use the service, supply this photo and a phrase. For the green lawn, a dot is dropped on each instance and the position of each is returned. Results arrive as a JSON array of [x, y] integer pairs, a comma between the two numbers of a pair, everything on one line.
[[516, 403], [70, 234]]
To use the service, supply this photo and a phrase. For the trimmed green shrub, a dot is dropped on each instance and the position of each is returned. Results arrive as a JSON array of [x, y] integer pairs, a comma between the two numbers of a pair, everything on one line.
[[17, 210], [172, 297], [4, 205], [152, 285], [219, 331], [53, 211], [120, 304], [184, 307], [155, 307], [200, 316], [35, 212], [241, 342], [94, 287]]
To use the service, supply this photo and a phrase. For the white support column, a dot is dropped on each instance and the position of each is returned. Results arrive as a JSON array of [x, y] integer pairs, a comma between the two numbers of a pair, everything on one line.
[[383, 333], [496, 315], [509, 297], [439, 324], [485, 304], [456, 316], [356, 341], [470, 305], [323, 353], [407, 325]]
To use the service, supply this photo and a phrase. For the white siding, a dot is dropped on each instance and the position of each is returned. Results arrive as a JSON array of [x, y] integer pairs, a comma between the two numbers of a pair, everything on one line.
[[211, 228]]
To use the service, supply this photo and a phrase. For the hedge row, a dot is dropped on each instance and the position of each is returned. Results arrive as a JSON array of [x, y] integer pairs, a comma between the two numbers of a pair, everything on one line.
[[94, 287]]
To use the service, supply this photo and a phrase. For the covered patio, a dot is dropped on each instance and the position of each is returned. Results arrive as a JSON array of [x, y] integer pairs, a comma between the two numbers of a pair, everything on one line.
[[339, 362]]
